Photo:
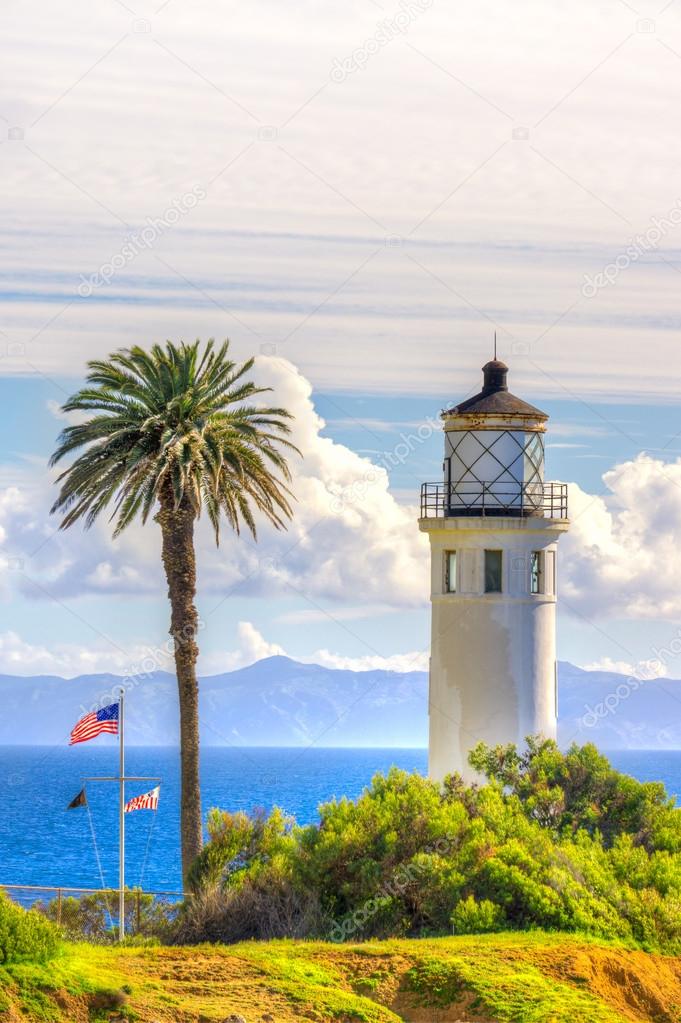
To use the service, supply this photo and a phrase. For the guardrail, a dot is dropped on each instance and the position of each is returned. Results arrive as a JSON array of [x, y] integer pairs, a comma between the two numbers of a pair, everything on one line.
[[444, 500]]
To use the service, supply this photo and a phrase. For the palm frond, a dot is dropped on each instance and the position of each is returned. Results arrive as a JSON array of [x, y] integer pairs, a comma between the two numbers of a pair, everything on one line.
[[180, 420]]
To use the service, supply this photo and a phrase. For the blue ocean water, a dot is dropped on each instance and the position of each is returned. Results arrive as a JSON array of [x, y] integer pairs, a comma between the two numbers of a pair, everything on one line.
[[41, 843]]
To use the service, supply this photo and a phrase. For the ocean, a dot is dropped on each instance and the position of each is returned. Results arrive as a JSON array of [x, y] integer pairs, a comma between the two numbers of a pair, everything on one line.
[[43, 843]]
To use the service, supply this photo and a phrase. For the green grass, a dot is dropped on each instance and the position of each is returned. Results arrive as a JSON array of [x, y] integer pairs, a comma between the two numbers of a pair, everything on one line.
[[511, 978], [512, 993]]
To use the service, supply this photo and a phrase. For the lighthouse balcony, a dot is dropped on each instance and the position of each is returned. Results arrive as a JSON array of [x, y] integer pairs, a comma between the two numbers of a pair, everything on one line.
[[516, 500]]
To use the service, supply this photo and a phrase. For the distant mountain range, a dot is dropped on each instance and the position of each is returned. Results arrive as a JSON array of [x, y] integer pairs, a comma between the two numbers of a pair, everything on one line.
[[281, 702]]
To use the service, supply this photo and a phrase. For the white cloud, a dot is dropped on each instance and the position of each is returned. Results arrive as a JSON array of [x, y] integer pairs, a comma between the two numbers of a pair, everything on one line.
[[68, 418], [417, 660], [41, 561], [310, 616], [643, 669], [330, 228], [351, 543], [622, 555], [252, 647], [18, 657], [349, 537]]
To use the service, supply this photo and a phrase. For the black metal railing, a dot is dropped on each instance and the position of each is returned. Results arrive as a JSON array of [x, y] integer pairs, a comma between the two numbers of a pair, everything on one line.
[[520, 500]]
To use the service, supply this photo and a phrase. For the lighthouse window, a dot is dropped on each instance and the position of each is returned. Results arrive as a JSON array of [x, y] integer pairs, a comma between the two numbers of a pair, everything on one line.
[[493, 563], [450, 571], [537, 572]]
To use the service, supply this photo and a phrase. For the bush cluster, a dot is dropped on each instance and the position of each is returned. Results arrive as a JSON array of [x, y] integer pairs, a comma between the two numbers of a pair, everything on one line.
[[25, 934], [553, 840], [94, 917]]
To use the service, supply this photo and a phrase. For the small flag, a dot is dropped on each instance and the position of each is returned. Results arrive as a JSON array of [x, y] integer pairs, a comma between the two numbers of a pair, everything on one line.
[[79, 800], [148, 801], [104, 720]]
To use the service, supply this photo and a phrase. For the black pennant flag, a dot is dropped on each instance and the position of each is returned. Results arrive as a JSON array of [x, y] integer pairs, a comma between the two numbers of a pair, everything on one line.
[[79, 800]]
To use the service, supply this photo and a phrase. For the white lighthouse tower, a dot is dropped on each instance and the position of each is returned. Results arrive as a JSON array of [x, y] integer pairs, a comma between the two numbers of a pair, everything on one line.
[[493, 526]]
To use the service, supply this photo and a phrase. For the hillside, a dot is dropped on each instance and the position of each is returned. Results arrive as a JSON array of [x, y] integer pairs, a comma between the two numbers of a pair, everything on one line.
[[281, 702], [501, 978], [275, 702]]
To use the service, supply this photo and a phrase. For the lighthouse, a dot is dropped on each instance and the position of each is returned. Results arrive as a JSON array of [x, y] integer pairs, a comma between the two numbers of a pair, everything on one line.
[[493, 524]]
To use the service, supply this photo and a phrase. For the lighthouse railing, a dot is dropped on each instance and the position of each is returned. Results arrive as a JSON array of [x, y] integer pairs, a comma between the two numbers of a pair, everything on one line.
[[472, 498]]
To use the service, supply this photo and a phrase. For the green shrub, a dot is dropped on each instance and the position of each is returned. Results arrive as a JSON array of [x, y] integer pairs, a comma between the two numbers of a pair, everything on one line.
[[25, 934], [472, 917], [238, 843], [555, 841], [93, 917], [580, 790]]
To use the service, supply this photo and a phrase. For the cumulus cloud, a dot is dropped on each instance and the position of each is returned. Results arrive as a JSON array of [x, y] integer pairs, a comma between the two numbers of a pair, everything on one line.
[[18, 657], [351, 542], [349, 537], [252, 646], [622, 555], [38, 560]]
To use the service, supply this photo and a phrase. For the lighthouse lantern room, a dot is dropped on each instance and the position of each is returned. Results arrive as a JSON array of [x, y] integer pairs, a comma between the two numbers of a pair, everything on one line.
[[493, 525]]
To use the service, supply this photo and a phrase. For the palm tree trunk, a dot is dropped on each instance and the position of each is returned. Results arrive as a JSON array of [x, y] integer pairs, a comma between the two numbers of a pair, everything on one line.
[[179, 561]]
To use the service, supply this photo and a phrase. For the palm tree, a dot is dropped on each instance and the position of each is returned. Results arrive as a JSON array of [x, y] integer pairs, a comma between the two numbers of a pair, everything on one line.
[[173, 429]]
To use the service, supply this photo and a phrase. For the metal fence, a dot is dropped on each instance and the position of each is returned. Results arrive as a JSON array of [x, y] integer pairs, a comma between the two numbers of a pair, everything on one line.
[[91, 914]]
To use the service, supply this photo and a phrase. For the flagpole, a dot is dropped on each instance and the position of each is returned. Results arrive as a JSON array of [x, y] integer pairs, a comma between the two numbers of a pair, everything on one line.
[[121, 817]]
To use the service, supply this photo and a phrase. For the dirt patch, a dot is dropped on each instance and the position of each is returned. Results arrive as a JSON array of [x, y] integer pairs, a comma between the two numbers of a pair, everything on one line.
[[381, 977], [208, 985], [635, 985], [72, 1008], [214, 984], [638, 985], [406, 1006]]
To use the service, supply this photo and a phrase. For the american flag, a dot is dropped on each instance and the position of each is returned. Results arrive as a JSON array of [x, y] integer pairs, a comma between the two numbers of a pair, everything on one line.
[[98, 721], [147, 801]]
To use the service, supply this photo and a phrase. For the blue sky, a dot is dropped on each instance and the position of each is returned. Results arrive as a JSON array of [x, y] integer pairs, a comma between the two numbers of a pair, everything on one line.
[[363, 232]]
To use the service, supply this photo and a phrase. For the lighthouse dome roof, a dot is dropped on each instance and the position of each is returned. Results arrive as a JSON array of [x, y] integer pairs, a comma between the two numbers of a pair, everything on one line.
[[495, 399]]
